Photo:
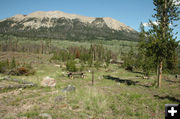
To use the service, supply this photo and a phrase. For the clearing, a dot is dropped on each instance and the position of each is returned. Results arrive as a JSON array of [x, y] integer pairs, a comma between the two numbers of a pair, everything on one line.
[[116, 94]]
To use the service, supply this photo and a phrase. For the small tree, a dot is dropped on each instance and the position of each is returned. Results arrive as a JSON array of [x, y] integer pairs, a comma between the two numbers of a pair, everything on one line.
[[71, 66], [82, 67], [97, 64], [129, 60], [107, 58], [13, 63], [90, 62], [146, 60]]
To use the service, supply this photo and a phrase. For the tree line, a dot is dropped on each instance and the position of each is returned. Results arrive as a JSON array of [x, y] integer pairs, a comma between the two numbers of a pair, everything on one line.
[[95, 55]]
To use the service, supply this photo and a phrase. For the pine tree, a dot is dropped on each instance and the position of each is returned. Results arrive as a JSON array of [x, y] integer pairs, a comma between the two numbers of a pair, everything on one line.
[[161, 41], [13, 63], [145, 59]]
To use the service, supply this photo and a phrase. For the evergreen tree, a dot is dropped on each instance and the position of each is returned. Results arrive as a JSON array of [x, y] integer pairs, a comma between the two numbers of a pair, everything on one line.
[[13, 63], [71, 66], [145, 59], [161, 42]]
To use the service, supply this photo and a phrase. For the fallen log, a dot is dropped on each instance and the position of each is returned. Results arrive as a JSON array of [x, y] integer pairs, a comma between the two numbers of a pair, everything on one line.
[[17, 86], [178, 76], [22, 83], [75, 74]]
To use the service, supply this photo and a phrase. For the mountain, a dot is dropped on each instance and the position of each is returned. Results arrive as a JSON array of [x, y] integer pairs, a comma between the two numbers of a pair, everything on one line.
[[60, 25]]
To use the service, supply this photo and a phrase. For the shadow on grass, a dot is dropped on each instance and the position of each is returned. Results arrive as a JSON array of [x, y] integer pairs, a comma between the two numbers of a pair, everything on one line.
[[126, 81], [168, 97], [138, 72], [171, 81]]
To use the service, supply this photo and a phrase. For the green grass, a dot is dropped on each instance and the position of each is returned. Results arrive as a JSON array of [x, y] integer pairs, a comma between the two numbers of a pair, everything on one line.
[[108, 99]]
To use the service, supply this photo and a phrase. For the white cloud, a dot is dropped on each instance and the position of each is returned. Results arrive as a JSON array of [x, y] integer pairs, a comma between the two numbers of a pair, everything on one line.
[[154, 22], [177, 2], [148, 24]]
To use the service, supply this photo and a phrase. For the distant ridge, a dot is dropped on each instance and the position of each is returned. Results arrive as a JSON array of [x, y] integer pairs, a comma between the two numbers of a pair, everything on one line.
[[70, 24]]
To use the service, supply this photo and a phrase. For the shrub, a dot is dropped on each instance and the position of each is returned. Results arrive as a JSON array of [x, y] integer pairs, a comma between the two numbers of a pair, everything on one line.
[[97, 64], [82, 67], [21, 71], [13, 72], [4, 66], [90, 62], [13, 63], [12, 68], [129, 68], [71, 66]]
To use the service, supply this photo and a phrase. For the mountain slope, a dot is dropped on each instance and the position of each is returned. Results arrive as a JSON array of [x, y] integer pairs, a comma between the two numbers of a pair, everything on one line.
[[60, 25]]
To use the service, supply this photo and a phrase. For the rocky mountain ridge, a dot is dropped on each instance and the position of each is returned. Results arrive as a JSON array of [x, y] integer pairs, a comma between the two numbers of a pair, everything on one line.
[[67, 25]]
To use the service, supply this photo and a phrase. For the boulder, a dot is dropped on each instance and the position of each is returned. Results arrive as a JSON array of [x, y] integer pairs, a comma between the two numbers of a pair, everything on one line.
[[63, 66], [45, 116], [145, 77], [69, 88], [48, 81], [59, 98]]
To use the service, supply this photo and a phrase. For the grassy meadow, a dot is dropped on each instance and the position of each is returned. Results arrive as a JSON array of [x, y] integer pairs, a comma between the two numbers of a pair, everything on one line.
[[116, 94]]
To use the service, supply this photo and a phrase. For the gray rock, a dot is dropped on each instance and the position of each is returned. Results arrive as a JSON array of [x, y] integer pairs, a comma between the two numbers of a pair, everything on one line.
[[45, 116], [59, 98], [69, 88]]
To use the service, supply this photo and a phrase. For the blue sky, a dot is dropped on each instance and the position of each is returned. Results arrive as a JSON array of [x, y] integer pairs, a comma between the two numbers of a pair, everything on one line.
[[129, 12]]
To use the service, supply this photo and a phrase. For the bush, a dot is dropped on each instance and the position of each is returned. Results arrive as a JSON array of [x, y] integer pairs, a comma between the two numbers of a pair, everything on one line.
[[97, 64], [21, 71], [71, 66], [4, 66], [82, 67], [12, 68], [13, 63], [129, 68], [13, 72], [25, 71]]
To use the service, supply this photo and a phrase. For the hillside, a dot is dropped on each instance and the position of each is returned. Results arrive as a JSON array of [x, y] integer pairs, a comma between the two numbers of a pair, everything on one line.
[[63, 26]]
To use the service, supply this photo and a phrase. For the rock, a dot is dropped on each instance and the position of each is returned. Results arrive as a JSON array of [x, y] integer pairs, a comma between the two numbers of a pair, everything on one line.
[[56, 65], [19, 91], [69, 88], [5, 78], [59, 98], [63, 74], [63, 66], [145, 77], [47, 81], [45, 116]]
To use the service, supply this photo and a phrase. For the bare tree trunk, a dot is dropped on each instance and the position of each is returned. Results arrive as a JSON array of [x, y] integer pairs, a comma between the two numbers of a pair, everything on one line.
[[164, 23], [42, 47], [92, 77], [157, 70], [160, 74]]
